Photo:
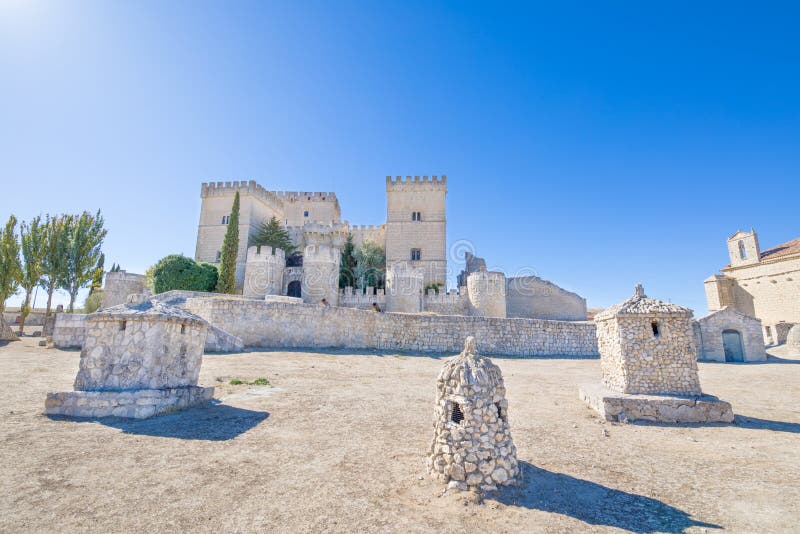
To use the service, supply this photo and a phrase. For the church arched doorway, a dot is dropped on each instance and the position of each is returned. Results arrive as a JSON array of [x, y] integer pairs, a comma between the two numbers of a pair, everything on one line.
[[294, 289]]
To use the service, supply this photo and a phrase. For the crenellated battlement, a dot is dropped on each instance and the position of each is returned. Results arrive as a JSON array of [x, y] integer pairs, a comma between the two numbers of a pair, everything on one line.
[[266, 254], [416, 183], [307, 196], [218, 189], [320, 254]]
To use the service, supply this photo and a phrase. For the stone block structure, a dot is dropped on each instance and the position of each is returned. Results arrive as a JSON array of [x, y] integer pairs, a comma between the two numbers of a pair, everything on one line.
[[118, 285], [776, 334], [138, 360], [647, 352], [69, 330], [264, 271], [728, 335], [404, 288], [487, 293], [472, 446], [761, 283]]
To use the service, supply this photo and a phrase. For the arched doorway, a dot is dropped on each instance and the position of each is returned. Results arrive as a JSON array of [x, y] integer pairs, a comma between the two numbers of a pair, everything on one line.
[[732, 344], [294, 289]]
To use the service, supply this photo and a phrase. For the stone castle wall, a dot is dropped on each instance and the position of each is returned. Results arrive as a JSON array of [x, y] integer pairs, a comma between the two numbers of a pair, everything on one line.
[[533, 297], [272, 324], [118, 285]]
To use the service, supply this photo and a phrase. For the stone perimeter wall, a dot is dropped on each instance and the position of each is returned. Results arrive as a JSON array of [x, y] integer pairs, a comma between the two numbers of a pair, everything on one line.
[[276, 324], [70, 330]]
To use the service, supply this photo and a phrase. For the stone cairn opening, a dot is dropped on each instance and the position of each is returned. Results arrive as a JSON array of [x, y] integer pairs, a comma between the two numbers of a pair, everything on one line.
[[139, 359], [472, 447], [649, 365]]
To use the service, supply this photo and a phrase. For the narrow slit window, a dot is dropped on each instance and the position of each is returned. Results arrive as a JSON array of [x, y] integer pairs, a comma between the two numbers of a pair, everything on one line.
[[183, 329], [456, 415], [499, 411], [656, 329], [123, 325], [219, 256], [742, 251]]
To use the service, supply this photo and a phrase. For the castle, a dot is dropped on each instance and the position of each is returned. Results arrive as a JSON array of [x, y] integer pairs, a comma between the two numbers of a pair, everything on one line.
[[762, 284], [414, 238]]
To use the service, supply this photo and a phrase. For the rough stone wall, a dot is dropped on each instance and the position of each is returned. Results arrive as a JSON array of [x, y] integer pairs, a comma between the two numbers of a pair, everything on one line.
[[34, 318], [452, 303], [118, 285], [531, 296], [636, 361], [775, 334], [708, 335], [264, 271], [472, 446], [69, 330], [427, 196], [147, 354], [269, 324], [321, 274], [404, 287], [487, 293], [6, 333]]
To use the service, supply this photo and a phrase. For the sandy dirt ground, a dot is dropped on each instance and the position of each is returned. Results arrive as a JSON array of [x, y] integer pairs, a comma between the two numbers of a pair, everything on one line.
[[337, 443]]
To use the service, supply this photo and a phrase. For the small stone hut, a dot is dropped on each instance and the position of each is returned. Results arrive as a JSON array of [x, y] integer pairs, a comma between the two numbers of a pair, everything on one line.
[[728, 335], [649, 365], [472, 447], [139, 359]]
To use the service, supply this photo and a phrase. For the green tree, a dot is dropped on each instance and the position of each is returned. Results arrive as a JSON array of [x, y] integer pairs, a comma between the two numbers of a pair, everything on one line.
[[10, 265], [347, 268], [115, 268], [272, 234], [97, 275], [85, 236], [54, 262], [179, 272], [33, 237], [226, 283], [370, 265]]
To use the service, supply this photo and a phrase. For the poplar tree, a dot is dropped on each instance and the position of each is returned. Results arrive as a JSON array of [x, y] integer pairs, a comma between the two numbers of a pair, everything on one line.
[[10, 266], [85, 236], [32, 236], [226, 283], [54, 256]]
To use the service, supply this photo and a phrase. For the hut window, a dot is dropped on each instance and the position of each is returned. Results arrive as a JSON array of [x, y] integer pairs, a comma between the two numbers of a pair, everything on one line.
[[183, 329], [123, 325], [656, 331], [499, 411], [456, 415]]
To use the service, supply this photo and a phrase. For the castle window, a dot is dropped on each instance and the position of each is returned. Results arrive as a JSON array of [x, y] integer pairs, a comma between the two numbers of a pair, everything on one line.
[[416, 215], [226, 219], [656, 330], [416, 254], [219, 256], [305, 214], [742, 251]]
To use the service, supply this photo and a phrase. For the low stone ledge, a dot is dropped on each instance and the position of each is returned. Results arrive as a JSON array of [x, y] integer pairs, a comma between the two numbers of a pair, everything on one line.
[[615, 406], [134, 404]]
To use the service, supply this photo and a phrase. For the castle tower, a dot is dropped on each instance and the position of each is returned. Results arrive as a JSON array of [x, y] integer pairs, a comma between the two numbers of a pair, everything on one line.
[[743, 248], [487, 293], [264, 271], [404, 287], [321, 274], [416, 225], [256, 205], [472, 446]]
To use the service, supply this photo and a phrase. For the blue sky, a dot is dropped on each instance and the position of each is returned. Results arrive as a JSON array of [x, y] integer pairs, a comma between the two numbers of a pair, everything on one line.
[[599, 144]]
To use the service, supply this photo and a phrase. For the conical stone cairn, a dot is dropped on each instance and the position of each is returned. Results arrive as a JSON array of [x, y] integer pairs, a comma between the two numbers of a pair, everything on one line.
[[472, 447]]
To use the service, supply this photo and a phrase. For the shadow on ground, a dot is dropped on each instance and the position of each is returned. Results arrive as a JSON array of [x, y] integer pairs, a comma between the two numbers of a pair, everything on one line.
[[215, 422], [765, 424], [594, 504]]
